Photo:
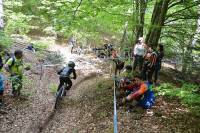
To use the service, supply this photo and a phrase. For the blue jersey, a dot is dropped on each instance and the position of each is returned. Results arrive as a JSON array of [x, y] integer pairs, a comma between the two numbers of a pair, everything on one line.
[[149, 98]]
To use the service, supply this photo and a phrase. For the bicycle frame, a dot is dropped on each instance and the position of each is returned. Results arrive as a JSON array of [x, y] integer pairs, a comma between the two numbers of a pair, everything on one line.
[[59, 95]]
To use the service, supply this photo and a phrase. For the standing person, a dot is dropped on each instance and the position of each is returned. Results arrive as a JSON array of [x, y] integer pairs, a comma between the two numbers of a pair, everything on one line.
[[139, 52], [160, 55], [119, 63], [149, 65], [15, 67]]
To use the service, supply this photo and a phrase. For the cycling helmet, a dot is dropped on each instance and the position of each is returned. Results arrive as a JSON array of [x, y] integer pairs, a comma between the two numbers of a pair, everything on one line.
[[128, 67], [71, 64]]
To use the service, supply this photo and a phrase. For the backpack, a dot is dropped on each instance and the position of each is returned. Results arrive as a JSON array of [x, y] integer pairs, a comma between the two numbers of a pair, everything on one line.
[[9, 56], [149, 98]]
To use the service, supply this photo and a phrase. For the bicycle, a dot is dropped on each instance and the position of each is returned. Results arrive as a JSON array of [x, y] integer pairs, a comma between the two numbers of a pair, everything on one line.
[[60, 94]]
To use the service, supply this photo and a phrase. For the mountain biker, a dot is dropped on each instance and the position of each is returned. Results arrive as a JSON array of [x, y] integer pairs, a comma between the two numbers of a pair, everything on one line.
[[65, 75], [14, 66]]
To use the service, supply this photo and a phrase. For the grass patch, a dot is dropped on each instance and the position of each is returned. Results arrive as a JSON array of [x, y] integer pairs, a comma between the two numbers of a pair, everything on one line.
[[53, 87], [187, 93], [40, 45]]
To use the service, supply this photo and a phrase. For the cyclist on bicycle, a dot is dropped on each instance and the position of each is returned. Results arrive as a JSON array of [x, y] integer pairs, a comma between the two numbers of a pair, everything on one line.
[[65, 75]]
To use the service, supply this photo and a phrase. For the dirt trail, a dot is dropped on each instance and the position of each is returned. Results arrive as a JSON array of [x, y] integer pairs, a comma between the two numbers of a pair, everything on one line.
[[68, 116]]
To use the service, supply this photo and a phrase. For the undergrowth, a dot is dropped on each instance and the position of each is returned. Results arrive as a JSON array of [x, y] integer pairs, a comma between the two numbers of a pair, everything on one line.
[[188, 94]]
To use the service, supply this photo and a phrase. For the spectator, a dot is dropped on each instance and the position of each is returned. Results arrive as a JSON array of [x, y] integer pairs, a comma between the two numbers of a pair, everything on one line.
[[160, 55], [149, 65], [139, 52]]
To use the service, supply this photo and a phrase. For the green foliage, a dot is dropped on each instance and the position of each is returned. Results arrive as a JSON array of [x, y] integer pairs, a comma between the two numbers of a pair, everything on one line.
[[187, 94], [5, 40], [17, 23]]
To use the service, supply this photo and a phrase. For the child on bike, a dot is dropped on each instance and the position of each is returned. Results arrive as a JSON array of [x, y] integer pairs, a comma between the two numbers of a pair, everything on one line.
[[65, 75], [14, 66]]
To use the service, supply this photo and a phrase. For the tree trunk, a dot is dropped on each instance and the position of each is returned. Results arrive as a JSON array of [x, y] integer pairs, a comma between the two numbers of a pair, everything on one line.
[[140, 12], [157, 21], [139, 9], [1, 15]]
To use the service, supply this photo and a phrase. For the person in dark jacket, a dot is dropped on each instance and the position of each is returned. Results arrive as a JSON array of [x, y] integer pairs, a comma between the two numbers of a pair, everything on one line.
[[65, 75], [160, 55]]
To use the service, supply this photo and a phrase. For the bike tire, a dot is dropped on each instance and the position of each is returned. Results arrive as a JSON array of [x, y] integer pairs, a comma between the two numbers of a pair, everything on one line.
[[58, 97]]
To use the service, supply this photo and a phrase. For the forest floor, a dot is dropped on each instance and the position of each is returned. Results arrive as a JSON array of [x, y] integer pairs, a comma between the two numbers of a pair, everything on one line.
[[88, 106]]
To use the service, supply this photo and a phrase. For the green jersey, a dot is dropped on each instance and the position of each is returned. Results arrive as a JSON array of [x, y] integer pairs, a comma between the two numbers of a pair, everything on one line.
[[15, 66]]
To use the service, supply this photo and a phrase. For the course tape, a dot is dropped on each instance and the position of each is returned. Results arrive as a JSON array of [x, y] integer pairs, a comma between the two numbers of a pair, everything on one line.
[[115, 109]]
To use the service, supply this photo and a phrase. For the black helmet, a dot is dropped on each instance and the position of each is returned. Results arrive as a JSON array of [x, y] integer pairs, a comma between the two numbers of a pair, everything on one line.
[[71, 64], [128, 67]]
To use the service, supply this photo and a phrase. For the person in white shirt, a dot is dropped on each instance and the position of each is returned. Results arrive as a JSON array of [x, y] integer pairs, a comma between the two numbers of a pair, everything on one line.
[[139, 52]]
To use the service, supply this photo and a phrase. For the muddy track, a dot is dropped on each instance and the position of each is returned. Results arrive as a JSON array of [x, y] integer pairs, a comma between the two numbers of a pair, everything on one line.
[[40, 127]]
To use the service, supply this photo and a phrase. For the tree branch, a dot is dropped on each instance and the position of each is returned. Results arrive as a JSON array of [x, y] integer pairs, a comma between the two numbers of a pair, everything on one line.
[[77, 9], [172, 14], [174, 4], [189, 17]]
